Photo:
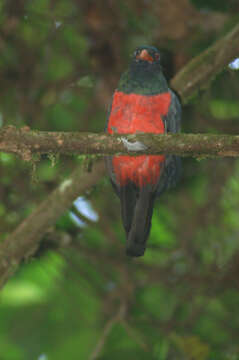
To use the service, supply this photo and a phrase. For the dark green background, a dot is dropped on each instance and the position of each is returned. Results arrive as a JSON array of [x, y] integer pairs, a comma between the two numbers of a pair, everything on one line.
[[59, 64]]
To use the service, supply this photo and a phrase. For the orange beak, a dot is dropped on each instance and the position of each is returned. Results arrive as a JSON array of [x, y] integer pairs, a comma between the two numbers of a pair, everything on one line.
[[144, 55]]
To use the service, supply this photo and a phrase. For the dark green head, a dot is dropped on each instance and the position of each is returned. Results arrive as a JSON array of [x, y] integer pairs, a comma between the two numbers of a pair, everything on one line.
[[144, 75], [147, 57]]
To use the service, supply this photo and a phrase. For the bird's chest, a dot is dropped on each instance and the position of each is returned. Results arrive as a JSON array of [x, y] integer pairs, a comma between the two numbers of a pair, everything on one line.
[[132, 113]]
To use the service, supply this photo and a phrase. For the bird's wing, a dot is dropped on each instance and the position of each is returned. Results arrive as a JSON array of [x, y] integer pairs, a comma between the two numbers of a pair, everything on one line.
[[172, 120], [172, 167]]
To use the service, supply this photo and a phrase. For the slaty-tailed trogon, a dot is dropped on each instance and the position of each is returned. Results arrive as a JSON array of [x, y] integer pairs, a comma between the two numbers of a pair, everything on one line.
[[144, 103]]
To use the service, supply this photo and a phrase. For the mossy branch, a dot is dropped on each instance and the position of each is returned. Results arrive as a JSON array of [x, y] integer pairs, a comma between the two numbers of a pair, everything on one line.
[[26, 143], [202, 69]]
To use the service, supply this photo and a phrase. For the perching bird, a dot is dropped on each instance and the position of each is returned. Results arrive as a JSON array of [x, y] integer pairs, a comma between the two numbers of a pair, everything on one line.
[[142, 103]]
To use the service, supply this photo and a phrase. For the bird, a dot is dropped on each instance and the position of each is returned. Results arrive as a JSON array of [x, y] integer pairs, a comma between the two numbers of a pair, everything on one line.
[[142, 103]]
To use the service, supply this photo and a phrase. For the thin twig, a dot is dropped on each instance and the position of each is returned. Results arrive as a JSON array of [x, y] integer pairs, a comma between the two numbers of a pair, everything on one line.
[[107, 329]]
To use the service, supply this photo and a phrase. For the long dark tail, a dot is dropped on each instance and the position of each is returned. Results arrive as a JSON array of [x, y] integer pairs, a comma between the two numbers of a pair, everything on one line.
[[137, 210]]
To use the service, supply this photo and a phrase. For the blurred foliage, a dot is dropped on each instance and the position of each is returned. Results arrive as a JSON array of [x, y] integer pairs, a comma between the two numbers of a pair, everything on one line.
[[60, 62]]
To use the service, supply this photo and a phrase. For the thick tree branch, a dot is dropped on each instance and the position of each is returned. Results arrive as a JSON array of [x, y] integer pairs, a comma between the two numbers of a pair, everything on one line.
[[202, 69], [26, 143], [24, 241]]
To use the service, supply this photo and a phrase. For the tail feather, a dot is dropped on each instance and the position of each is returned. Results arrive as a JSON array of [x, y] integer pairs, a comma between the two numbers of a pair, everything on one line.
[[137, 211], [128, 198]]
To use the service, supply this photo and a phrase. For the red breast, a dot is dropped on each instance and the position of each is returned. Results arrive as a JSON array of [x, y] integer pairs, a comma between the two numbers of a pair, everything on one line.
[[132, 113]]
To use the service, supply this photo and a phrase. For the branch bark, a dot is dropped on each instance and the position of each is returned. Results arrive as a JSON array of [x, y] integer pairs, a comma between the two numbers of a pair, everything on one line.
[[24, 241], [26, 143]]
